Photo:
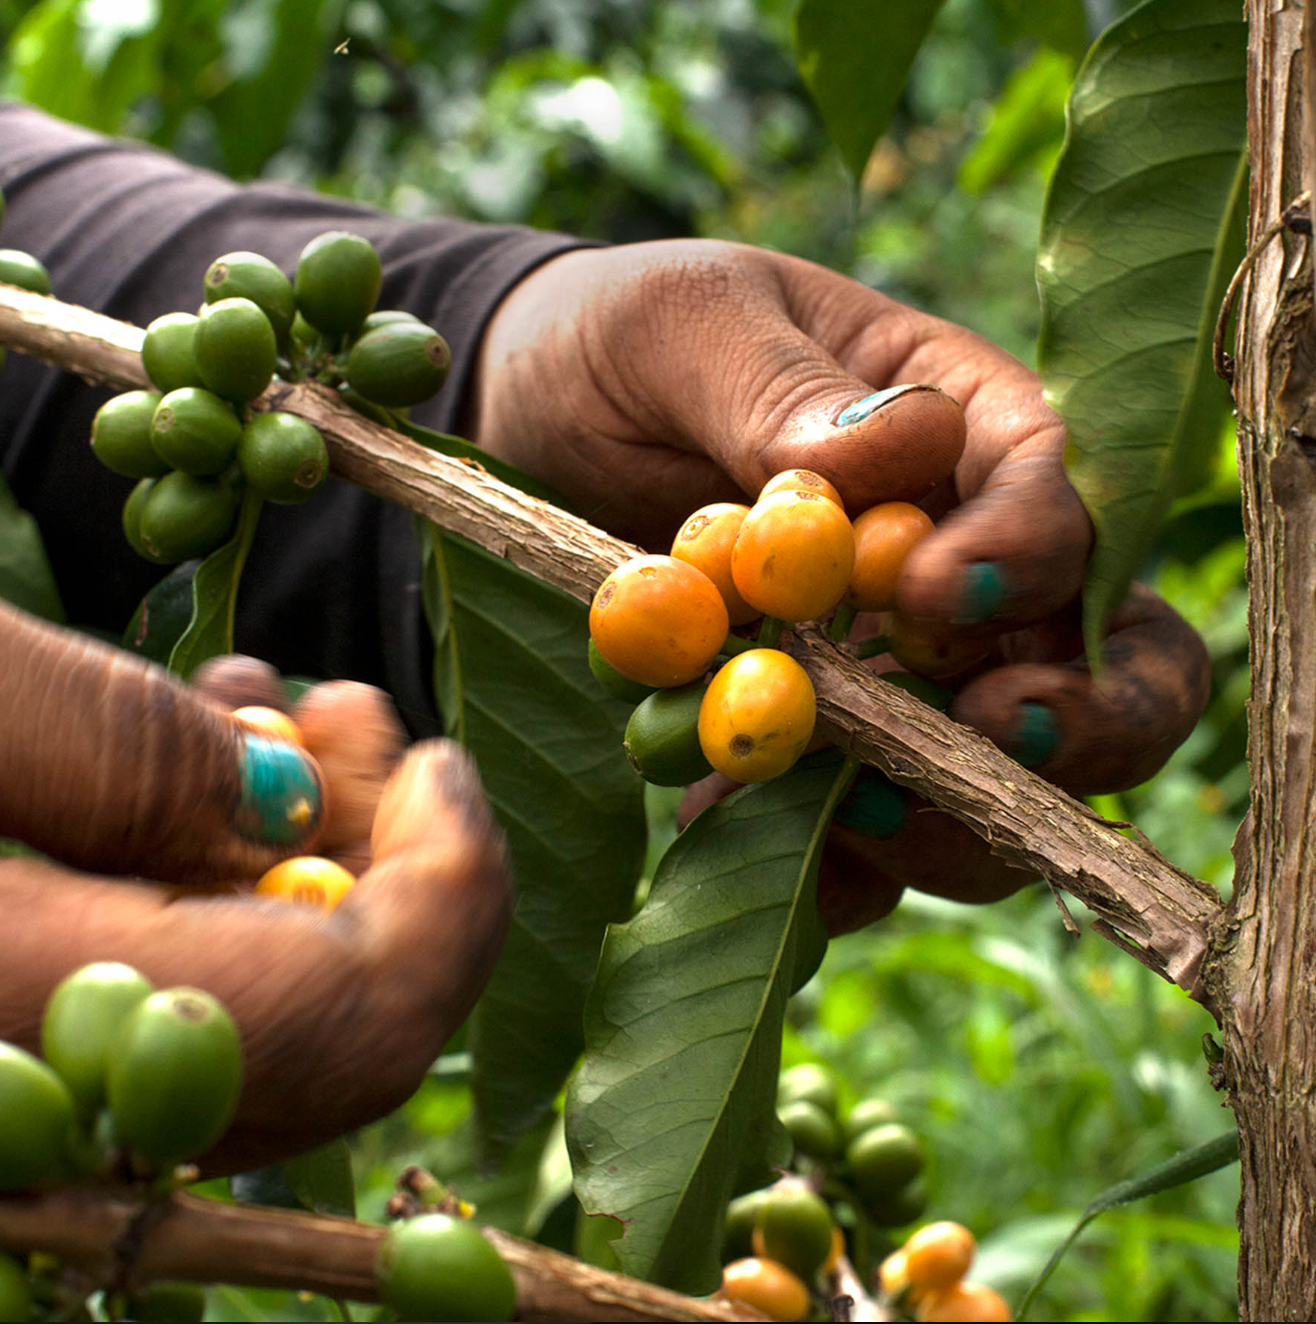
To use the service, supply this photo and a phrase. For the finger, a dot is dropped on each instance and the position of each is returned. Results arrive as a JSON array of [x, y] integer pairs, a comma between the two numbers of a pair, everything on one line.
[[353, 732], [111, 764], [236, 681], [1091, 736], [1014, 552]]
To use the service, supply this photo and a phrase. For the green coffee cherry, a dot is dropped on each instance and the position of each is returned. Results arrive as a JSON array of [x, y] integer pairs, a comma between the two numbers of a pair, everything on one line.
[[662, 737], [742, 1219], [245, 275], [900, 1208], [194, 431], [619, 686], [386, 317], [175, 1075], [81, 1021], [236, 350], [337, 281], [884, 1159], [812, 1081], [169, 351], [15, 1291], [132, 520], [867, 1114], [796, 1227], [283, 457], [25, 271], [434, 1267], [184, 516], [36, 1120], [167, 1303], [121, 435], [398, 364], [813, 1132]]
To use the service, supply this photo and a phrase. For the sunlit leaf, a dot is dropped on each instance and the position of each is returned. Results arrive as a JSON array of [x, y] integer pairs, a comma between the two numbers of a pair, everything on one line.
[[854, 57], [512, 681], [672, 1109], [1142, 230]]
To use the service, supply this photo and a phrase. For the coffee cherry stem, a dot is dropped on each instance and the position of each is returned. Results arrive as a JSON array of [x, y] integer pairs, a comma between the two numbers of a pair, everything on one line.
[[842, 620], [874, 647], [735, 644], [769, 632]]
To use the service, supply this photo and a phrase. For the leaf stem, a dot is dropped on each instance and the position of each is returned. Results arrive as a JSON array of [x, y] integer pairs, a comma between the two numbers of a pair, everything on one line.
[[842, 620]]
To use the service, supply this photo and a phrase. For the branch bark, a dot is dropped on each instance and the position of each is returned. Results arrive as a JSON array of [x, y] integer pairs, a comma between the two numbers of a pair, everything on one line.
[[1145, 905], [1261, 975], [121, 1240]]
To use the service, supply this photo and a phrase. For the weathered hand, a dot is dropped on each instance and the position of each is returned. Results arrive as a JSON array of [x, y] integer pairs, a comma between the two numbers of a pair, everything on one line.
[[133, 783]]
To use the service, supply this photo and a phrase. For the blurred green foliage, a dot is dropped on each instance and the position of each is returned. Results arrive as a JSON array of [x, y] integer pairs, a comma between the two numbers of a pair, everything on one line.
[[1040, 1069]]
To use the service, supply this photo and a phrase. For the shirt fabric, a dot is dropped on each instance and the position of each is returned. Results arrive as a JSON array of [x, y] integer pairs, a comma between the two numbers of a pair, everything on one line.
[[332, 587]]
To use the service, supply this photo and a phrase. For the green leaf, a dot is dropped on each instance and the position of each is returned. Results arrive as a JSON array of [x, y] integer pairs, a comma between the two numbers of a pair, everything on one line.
[[162, 616], [513, 684], [1141, 232], [215, 595], [322, 1179], [1178, 1171], [1061, 25], [672, 1110], [26, 578], [272, 50], [854, 57]]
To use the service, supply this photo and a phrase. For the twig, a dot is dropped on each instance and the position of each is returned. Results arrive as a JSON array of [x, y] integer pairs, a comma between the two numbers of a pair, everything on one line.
[[1161, 913], [205, 1241]]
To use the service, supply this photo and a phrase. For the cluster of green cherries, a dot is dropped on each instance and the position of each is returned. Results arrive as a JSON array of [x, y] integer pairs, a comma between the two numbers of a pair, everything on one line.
[[196, 442], [21, 269]]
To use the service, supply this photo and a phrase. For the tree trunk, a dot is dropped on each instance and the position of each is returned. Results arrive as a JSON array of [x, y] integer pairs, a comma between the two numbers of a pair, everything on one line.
[[1263, 973]]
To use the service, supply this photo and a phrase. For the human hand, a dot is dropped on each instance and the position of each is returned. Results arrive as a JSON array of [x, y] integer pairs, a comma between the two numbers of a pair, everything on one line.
[[664, 376], [133, 783]]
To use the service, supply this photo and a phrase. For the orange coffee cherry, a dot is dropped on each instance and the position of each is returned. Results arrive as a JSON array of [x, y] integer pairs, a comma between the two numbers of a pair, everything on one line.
[[884, 536], [767, 1286], [801, 480], [837, 1250], [306, 880], [793, 556], [658, 621], [269, 722], [932, 653], [964, 1301], [705, 541], [893, 1273], [757, 716], [938, 1255]]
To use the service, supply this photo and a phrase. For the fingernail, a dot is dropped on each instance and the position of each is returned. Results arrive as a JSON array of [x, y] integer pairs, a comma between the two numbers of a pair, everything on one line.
[[281, 801], [860, 409], [982, 592], [1037, 737], [874, 806]]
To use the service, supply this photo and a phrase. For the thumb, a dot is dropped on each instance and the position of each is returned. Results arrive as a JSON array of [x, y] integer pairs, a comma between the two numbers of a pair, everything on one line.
[[109, 763]]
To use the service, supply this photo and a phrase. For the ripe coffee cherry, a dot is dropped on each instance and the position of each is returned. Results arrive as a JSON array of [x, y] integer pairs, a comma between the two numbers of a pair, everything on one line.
[[884, 536], [963, 1301], [938, 1255], [196, 432], [793, 555], [121, 435], [434, 1267], [307, 880], [337, 281], [169, 351], [244, 275], [82, 1020], [801, 480], [705, 541], [236, 350], [175, 1075], [283, 457], [398, 364], [658, 621], [767, 1286], [36, 1110], [757, 716]]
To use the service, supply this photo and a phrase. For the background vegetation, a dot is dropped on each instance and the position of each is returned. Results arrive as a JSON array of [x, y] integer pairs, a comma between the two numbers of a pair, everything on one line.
[[1039, 1070]]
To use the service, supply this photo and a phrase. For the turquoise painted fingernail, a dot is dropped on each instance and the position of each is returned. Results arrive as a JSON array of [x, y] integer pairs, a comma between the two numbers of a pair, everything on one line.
[[1037, 737], [982, 592], [860, 409], [281, 801], [875, 805]]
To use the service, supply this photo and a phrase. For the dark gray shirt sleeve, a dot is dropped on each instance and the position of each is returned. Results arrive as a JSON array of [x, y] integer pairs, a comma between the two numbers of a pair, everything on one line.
[[332, 587]]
